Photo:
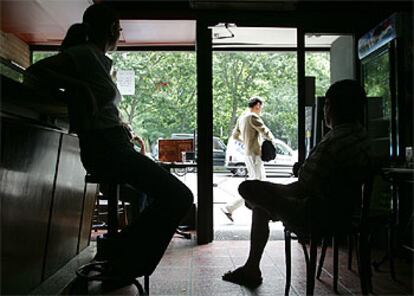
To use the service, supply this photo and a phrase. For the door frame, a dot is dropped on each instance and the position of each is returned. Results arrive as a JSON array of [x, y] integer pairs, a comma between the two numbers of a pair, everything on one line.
[[204, 49]]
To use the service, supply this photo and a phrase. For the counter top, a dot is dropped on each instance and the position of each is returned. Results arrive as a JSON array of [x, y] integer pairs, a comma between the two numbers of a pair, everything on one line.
[[399, 170], [23, 102]]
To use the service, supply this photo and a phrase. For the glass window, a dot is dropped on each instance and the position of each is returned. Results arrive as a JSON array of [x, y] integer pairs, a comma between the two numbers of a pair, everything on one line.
[[239, 75], [218, 145], [40, 55], [281, 150], [376, 75]]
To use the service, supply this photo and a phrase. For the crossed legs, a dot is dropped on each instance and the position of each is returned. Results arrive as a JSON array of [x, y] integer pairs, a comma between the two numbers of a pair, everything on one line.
[[268, 201]]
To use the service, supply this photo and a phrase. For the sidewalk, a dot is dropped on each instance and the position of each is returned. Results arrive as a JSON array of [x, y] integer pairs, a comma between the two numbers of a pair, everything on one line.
[[227, 191]]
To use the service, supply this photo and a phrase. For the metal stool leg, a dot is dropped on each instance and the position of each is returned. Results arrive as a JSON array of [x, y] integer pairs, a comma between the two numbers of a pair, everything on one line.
[[98, 270], [322, 258], [146, 284], [95, 271], [310, 274], [350, 250], [113, 223], [288, 261], [335, 262]]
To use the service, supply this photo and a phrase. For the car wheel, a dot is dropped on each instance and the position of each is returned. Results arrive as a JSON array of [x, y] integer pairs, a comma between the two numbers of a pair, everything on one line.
[[180, 171], [240, 171], [191, 170]]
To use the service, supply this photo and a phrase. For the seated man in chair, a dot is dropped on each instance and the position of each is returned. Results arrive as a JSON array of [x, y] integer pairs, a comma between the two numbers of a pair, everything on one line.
[[328, 181]]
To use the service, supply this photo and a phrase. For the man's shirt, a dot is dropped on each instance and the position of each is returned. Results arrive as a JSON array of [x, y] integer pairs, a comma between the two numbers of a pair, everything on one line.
[[337, 166]]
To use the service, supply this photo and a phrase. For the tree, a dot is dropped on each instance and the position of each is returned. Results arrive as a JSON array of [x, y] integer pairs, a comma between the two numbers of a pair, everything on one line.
[[240, 75], [165, 99], [317, 65], [234, 81], [166, 94]]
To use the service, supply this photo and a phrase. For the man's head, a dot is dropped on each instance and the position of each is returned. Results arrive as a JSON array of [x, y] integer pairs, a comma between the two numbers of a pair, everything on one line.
[[255, 104], [103, 25], [345, 102]]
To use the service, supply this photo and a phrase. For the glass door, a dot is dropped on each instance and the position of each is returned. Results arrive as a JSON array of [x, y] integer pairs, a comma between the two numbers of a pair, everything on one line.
[[376, 72], [251, 61]]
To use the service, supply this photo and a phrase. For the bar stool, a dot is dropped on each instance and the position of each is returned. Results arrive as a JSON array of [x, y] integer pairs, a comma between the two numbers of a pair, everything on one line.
[[93, 271]]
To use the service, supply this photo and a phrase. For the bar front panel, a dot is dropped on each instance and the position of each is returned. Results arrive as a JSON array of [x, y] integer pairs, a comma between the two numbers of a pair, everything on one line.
[[28, 163]]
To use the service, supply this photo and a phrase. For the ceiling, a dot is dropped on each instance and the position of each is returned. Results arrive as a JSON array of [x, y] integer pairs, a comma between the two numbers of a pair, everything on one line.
[[265, 37], [157, 32], [44, 22], [41, 21]]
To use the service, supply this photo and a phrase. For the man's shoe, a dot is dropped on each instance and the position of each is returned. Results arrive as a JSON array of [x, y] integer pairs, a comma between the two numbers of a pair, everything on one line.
[[241, 277], [228, 215]]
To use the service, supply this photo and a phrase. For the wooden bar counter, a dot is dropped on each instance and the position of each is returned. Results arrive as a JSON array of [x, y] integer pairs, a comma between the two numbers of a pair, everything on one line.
[[45, 215]]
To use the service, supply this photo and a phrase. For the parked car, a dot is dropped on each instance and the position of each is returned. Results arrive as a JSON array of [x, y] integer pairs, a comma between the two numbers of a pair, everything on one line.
[[219, 148], [282, 164], [219, 152]]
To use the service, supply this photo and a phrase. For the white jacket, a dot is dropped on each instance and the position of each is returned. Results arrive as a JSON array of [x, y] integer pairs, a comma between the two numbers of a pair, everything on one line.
[[250, 130]]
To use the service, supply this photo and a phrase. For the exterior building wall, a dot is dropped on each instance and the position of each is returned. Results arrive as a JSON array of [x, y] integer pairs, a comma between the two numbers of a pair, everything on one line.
[[14, 49]]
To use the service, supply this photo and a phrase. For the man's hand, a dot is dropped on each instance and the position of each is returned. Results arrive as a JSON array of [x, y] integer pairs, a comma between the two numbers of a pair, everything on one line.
[[138, 140]]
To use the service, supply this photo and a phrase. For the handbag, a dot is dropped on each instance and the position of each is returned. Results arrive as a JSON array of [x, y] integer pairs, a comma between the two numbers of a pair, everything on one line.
[[268, 151]]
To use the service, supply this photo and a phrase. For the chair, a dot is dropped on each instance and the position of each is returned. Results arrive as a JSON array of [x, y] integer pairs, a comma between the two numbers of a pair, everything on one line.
[[316, 235], [372, 221], [94, 271], [353, 239], [389, 220]]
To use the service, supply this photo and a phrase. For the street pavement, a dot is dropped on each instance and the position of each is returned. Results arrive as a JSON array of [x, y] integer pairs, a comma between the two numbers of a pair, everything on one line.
[[225, 190]]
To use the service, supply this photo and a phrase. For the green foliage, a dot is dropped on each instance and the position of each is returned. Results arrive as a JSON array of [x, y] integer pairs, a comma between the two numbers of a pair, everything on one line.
[[40, 55], [317, 65], [377, 80], [166, 94], [272, 76]]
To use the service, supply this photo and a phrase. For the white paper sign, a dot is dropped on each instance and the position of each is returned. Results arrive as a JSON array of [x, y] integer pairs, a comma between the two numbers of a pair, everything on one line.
[[125, 80]]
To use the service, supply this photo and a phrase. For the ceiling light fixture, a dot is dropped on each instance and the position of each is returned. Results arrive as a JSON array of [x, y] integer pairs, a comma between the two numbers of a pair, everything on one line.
[[228, 33]]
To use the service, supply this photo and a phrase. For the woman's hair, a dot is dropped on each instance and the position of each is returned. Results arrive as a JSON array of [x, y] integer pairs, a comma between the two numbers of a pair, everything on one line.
[[100, 20], [347, 99], [77, 34]]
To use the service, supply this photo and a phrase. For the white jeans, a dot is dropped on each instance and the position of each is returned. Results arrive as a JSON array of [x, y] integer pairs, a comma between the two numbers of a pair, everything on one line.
[[255, 167], [256, 171]]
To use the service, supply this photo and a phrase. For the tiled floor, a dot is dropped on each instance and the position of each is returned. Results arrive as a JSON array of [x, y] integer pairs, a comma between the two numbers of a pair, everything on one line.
[[189, 269]]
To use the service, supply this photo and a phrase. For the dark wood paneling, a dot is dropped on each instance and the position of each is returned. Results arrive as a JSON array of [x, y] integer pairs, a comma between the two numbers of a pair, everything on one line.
[[67, 207], [27, 170], [86, 223]]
